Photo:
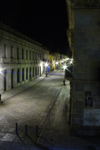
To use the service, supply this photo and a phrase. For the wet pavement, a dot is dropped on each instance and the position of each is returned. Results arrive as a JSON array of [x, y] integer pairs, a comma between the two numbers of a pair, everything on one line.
[[41, 110]]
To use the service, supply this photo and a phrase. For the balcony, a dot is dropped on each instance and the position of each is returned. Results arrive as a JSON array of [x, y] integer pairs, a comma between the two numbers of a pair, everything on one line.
[[9, 60], [6, 60], [19, 61]]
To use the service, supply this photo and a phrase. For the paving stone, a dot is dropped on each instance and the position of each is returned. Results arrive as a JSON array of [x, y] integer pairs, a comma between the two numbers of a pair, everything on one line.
[[8, 137]]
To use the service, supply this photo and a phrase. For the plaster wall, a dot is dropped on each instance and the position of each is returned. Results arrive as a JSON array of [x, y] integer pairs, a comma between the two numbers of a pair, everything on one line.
[[29, 56]]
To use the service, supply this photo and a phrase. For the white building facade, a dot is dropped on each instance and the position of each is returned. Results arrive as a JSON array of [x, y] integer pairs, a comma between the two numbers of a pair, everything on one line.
[[21, 59]]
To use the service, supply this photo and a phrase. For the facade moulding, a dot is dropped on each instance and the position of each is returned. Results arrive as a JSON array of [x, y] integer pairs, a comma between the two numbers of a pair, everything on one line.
[[18, 34]]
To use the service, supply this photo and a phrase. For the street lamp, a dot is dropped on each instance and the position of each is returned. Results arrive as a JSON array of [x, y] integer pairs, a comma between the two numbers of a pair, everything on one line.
[[40, 68], [64, 67], [67, 58], [56, 64], [46, 64], [71, 61]]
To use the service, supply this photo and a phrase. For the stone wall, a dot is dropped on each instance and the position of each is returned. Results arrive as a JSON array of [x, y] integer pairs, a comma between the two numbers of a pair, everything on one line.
[[85, 84]]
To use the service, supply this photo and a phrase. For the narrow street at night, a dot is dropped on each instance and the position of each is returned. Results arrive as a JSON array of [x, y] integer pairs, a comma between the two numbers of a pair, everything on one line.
[[43, 106], [31, 105]]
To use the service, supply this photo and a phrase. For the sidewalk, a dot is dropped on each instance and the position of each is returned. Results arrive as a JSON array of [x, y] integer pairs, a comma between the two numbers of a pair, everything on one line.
[[13, 144], [56, 134], [8, 94]]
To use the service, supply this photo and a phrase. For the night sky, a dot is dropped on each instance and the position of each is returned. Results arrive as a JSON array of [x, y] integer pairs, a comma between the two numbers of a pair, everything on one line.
[[42, 20]]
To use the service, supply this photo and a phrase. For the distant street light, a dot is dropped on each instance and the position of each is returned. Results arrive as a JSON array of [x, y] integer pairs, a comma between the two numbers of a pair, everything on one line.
[[64, 67], [67, 58], [46, 64], [56, 63], [71, 61]]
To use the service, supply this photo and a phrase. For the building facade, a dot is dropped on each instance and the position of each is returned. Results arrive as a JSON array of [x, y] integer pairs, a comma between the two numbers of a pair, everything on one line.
[[84, 40], [52, 62], [21, 59]]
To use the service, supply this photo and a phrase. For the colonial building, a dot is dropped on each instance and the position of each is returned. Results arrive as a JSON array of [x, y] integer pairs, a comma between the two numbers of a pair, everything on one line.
[[21, 58], [52, 62], [45, 58], [57, 60], [84, 40]]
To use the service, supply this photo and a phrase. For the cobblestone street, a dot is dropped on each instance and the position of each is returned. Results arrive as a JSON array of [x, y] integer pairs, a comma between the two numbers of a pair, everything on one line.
[[42, 103]]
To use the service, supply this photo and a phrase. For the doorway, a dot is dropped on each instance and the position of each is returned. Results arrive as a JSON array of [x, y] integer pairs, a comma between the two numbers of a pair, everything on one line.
[[30, 74]]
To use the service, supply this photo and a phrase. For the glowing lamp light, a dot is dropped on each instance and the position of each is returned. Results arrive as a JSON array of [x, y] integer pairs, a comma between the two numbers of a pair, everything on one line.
[[40, 64], [67, 58], [0, 70], [46, 64], [71, 62], [56, 63], [64, 67]]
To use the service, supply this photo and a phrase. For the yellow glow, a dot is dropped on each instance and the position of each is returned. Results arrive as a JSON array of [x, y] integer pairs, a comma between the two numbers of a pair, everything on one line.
[[67, 58]]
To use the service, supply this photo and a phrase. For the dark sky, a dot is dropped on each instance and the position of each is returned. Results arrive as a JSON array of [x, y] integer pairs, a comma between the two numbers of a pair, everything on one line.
[[42, 20]]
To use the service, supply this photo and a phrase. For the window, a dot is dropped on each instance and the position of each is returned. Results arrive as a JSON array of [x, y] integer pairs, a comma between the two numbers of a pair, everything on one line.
[[5, 50], [22, 74], [22, 53], [17, 53], [26, 73], [11, 51], [35, 71], [18, 75]]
